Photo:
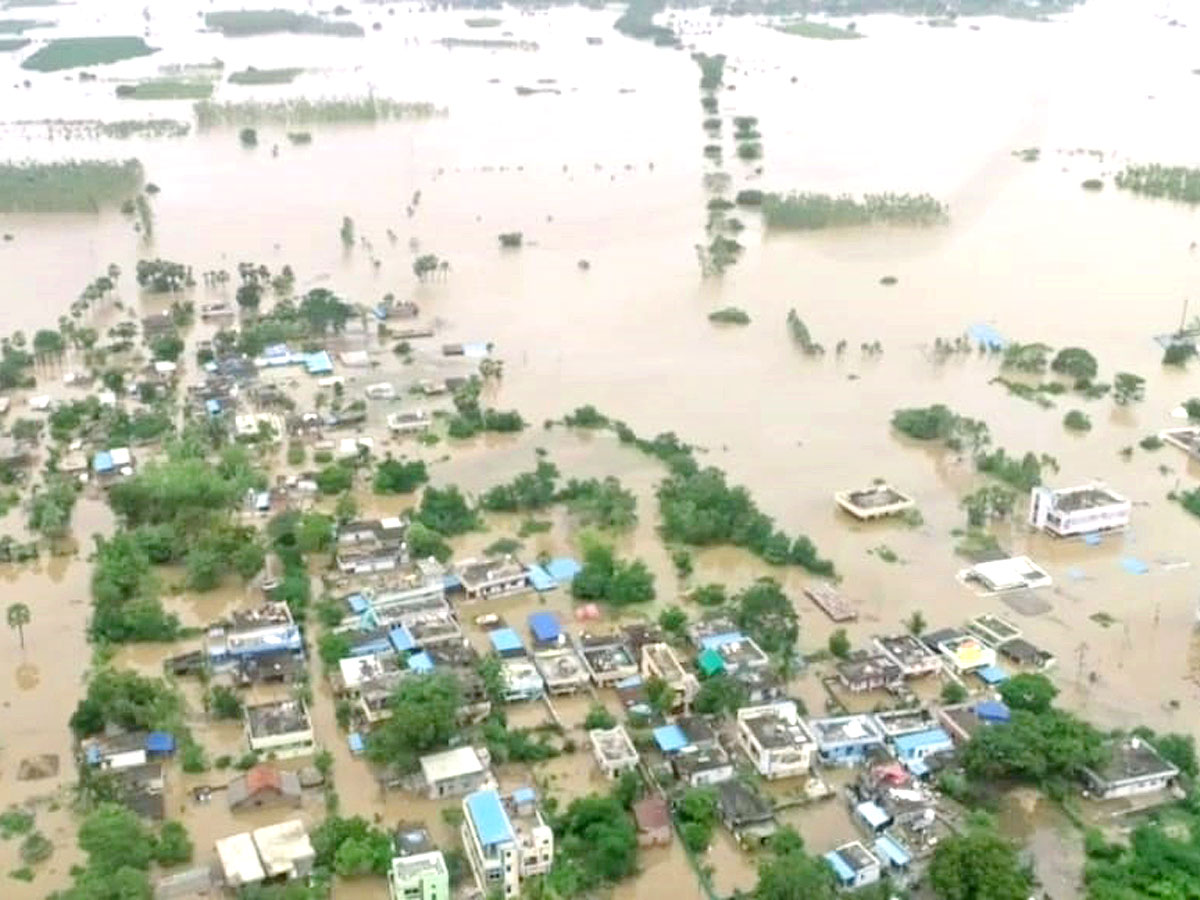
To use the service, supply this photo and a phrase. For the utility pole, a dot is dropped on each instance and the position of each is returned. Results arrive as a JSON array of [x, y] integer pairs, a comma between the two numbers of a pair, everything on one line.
[[1183, 316]]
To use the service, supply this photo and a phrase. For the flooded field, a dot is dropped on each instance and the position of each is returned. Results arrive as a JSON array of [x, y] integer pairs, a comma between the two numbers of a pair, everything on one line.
[[608, 168]]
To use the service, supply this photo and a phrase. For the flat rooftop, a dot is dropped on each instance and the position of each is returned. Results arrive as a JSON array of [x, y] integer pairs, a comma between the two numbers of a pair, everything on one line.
[[275, 719], [607, 654], [869, 668], [482, 571], [775, 727], [456, 763], [846, 729], [994, 629], [612, 744], [663, 658], [418, 864], [1091, 496], [1132, 759], [877, 496], [857, 856], [562, 665], [905, 721], [906, 649], [261, 616]]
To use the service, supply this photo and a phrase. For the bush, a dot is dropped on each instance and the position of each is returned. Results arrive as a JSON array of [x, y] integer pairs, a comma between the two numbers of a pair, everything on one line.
[[599, 717], [730, 315], [1178, 354], [1077, 420], [398, 476]]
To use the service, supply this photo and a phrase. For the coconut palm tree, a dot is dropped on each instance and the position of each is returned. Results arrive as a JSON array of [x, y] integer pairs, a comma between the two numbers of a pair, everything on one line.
[[18, 618]]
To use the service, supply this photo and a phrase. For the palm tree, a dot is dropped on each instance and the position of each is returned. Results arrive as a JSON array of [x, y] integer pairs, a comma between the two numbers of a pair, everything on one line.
[[18, 618], [916, 623]]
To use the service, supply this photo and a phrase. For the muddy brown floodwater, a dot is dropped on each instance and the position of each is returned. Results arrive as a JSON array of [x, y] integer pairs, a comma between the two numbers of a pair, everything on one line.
[[610, 170]]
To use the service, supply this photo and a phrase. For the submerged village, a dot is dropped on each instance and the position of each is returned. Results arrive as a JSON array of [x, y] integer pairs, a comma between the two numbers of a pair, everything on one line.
[[540, 451]]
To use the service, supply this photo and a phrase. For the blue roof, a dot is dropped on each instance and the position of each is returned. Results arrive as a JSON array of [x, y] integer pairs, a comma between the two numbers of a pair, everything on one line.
[[713, 641], [933, 737], [917, 767], [402, 639], [670, 738], [421, 662], [505, 640], [160, 742], [540, 579], [982, 333], [374, 645], [992, 674], [357, 602], [355, 741], [544, 626], [318, 363], [892, 850], [489, 818], [102, 461], [213, 406], [632, 681], [276, 350], [843, 871], [992, 711], [873, 814], [563, 568], [524, 795]]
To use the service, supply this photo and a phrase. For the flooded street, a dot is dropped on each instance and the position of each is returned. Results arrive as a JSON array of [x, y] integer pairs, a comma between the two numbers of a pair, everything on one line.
[[608, 169]]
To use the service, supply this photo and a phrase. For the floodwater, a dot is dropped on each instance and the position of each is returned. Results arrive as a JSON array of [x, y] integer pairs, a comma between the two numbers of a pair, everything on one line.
[[610, 170]]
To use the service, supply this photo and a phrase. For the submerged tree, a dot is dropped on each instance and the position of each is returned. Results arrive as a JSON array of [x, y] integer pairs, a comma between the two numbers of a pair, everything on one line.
[[18, 617]]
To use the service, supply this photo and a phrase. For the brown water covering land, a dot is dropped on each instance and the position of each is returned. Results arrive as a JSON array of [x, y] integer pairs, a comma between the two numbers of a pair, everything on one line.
[[610, 171]]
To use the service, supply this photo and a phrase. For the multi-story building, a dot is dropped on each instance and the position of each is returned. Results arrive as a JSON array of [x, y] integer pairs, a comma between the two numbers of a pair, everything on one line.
[[660, 661], [506, 840], [282, 729], [421, 876], [1087, 509], [775, 739]]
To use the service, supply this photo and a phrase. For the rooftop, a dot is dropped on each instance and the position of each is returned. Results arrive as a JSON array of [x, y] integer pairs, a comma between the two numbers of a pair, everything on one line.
[[612, 744], [418, 864], [456, 763], [606, 653], [1132, 759], [652, 813], [273, 719], [904, 721], [282, 845], [411, 838], [994, 629], [506, 640], [559, 666], [846, 729], [1092, 496], [239, 860], [857, 856], [488, 818], [776, 725], [741, 804], [692, 760], [476, 572], [905, 649], [545, 627], [663, 659], [869, 668]]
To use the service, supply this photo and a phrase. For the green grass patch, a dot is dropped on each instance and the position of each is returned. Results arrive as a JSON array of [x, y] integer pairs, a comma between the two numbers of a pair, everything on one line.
[[166, 89], [819, 30], [74, 53], [300, 110], [7, 45], [69, 186], [20, 26], [247, 22], [264, 76]]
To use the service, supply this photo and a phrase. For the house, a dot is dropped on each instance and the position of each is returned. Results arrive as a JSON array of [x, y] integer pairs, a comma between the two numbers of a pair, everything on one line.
[[966, 654], [869, 673], [892, 854], [962, 720], [414, 422], [505, 842], [910, 654], [142, 788], [895, 722], [278, 667], [607, 657], [522, 680], [1088, 509], [368, 546], [854, 865], [730, 652], [918, 746], [872, 817], [281, 730], [613, 750], [263, 630], [546, 629], [653, 819], [420, 876], [1134, 767], [761, 685], [775, 739], [264, 785], [660, 661], [846, 740], [993, 630], [1013, 574], [482, 579], [699, 766], [112, 462], [239, 862], [748, 816], [561, 669], [122, 750], [454, 773], [1023, 653], [285, 850], [831, 602], [875, 502], [1186, 439], [411, 838], [253, 426]]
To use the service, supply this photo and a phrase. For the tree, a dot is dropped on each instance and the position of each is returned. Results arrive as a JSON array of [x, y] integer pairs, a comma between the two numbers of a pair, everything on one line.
[[1076, 363], [673, 620], [51, 507], [1128, 388], [1029, 691], [18, 618], [609, 580], [719, 694], [953, 692], [322, 310], [424, 542], [424, 265], [335, 478], [659, 694], [224, 703], [598, 845], [839, 644], [174, 846], [789, 873], [1176, 354], [764, 612], [113, 837], [1077, 420], [916, 623], [399, 476], [1038, 748], [696, 812], [351, 847], [48, 343], [599, 717], [424, 718], [445, 510], [978, 865]]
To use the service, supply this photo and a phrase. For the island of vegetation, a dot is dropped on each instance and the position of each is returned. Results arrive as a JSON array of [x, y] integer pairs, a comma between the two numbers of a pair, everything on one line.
[[808, 211], [249, 22], [75, 53]]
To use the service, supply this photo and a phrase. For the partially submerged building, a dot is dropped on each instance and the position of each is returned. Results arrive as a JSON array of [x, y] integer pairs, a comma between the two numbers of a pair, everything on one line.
[[653, 819], [910, 654], [607, 657], [869, 673], [274, 853], [613, 750], [729, 652], [419, 876], [854, 865], [490, 578], [1013, 574], [506, 840], [846, 740], [561, 669], [264, 630], [1133, 767], [456, 772], [775, 739], [369, 546], [1088, 509], [967, 654], [876, 502], [749, 817], [262, 786], [282, 730], [660, 661]]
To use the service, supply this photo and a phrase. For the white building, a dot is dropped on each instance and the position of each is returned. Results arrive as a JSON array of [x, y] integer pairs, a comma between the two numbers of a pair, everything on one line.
[[1133, 767], [239, 860], [660, 661], [505, 840], [285, 850], [967, 653], [282, 730], [613, 749], [1012, 574], [453, 773], [421, 876], [1087, 509], [775, 739]]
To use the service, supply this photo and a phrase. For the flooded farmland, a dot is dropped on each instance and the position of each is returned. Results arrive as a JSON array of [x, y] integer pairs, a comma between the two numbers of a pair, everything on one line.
[[604, 165]]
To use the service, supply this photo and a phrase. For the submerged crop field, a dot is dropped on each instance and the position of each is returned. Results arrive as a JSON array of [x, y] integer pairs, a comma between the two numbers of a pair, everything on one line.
[[265, 76], [75, 53], [70, 186], [166, 89], [302, 111], [249, 22]]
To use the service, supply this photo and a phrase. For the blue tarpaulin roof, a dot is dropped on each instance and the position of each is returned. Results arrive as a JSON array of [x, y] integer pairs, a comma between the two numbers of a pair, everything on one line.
[[992, 674], [632, 681], [917, 767], [318, 363], [160, 742], [544, 626], [540, 579], [840, 867], [873, 814], [213, 406], [505, 640], [713, 641], [375, 645], [909, 743], [358, 603], [102, 461], [982, 333], [992, 711], [490, 819], [563, 569], [670, 738], [1134, 566], [92, 755], [421, 662], [524, 795], [356, 742], [401, 639], [276, 350], [892, 850]]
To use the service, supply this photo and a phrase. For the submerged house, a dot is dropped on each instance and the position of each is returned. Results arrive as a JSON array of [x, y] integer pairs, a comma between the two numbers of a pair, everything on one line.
[[1088, 509], [1133, 767]]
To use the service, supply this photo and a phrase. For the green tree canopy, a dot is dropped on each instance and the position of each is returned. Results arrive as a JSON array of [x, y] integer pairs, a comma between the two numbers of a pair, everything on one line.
[[424, 718], [1030, 691], [978, 865]]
